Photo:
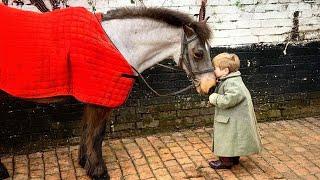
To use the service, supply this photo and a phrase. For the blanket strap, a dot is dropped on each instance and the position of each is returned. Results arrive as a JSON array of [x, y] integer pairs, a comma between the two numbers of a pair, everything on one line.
[[129, 76]]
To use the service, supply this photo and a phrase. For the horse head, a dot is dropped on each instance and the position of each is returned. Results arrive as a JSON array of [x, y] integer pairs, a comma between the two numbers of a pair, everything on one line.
[[195, 53], [146, 36], [195, 59]]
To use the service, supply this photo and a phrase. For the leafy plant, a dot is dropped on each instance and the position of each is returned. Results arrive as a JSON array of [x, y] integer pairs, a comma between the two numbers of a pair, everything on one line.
[[238, 4]]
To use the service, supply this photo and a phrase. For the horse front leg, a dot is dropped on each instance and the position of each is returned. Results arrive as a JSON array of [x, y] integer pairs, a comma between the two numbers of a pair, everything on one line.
[[3, 171], [90, 151]]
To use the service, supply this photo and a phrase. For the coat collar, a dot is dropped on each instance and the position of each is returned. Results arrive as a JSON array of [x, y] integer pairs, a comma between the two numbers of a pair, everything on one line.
[[222, 79], [231, 75]]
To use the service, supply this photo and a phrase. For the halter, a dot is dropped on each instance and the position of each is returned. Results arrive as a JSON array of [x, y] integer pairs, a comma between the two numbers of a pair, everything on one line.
[[184, 58]]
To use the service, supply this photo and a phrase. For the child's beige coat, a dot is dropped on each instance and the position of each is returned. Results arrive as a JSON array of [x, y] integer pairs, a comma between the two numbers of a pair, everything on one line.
[[235, 124]]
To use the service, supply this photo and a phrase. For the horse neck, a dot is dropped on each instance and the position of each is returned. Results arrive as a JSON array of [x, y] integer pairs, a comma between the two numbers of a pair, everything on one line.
[[144, 42]]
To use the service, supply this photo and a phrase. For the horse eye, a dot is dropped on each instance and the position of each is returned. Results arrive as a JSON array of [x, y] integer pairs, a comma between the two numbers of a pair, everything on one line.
[[198, 55]]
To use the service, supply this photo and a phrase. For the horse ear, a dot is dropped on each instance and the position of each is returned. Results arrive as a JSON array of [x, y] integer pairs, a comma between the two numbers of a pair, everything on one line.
[[188, 30]]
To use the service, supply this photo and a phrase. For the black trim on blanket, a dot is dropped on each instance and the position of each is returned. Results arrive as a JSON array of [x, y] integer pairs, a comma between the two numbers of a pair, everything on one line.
[[129, 76]]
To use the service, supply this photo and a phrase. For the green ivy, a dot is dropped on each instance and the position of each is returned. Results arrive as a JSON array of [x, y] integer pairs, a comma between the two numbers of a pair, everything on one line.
[[238, 4]]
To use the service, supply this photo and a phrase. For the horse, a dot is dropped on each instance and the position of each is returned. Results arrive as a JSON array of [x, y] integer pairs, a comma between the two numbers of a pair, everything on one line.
[[145, 37]]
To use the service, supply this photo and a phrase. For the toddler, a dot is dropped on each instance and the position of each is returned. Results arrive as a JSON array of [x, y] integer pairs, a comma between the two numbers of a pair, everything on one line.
[[235, 125]]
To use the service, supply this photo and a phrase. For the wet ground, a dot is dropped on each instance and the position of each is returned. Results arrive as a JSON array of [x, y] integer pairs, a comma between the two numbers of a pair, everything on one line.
[[291, 151]]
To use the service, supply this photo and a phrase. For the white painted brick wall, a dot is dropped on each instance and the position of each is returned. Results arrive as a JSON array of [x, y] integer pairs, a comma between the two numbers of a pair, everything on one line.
[[248, 24], [238, 22], [270, 31], [276, 23]]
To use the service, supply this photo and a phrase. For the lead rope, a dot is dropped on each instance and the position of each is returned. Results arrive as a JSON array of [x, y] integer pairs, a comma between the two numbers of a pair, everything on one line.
[[158, 94], [168, 67]]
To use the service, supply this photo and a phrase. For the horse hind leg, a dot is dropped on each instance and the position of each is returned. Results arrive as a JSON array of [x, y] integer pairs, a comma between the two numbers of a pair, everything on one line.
[[83, 149], [3, 171], [90, 151]]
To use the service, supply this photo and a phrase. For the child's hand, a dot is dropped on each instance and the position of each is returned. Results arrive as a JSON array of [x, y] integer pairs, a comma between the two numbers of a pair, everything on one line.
[[213, 99], [209, 104]]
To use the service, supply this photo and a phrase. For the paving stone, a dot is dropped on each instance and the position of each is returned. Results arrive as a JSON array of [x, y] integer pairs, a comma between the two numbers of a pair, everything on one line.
[[178, 175], [171, 163], [131, 177], [185, 160], [70, 174], [291, 151], [145, 172], [127, 168], [23, 176], [140, 162], [161, 172], [167, 157], [156, 165]]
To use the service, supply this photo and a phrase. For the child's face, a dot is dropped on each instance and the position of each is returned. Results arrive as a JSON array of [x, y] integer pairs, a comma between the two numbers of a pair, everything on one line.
[[220, 72]]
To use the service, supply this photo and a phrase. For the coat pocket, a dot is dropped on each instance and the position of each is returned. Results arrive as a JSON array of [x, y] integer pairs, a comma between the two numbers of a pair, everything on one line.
[[222, 119]]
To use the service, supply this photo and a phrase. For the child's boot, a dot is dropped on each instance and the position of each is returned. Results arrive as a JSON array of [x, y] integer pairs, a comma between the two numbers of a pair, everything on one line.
[[236, 160], [222, 163]]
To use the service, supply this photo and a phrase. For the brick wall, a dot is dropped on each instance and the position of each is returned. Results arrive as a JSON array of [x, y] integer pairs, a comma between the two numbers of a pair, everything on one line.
[[282, 86]]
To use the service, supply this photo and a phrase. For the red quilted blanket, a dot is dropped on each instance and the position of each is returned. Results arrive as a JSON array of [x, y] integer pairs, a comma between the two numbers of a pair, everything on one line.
[[64, 52]]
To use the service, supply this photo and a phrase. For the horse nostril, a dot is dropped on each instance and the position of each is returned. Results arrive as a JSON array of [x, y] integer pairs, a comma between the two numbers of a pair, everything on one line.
[[211, 90], [200, 53]]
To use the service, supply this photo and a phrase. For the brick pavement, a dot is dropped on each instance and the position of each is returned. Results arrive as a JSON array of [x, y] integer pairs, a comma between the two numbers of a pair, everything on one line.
[[292, 151]]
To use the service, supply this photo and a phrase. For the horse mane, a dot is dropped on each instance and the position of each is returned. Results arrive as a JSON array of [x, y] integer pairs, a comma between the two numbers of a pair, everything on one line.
[[171, 17]]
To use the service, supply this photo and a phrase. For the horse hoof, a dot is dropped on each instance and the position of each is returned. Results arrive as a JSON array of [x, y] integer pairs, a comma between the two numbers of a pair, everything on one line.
[[3, 172], [102, 177], [98, 172]]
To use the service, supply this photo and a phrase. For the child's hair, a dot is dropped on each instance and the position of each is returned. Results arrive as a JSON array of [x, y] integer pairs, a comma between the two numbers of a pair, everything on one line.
[[226, 60]]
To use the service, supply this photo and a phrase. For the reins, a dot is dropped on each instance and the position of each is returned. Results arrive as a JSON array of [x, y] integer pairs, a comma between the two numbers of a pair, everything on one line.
[[158, 94]]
